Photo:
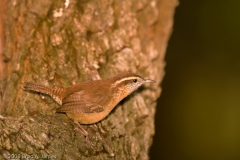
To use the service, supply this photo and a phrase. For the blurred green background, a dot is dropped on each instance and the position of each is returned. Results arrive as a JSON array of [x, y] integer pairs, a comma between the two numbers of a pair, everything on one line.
[[198, 113]]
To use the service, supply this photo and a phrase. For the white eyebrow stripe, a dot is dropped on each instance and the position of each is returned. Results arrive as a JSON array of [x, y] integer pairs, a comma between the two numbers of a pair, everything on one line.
[[124, 79]]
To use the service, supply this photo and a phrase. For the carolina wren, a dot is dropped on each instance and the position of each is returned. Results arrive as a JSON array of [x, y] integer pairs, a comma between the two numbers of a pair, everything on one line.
[[91, 101]]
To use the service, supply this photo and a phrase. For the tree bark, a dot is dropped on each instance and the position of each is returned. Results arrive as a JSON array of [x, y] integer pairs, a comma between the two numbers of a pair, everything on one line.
[[60, 43]]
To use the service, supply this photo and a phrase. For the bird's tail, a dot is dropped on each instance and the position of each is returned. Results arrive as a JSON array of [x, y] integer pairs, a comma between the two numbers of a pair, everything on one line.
[[55, 93]]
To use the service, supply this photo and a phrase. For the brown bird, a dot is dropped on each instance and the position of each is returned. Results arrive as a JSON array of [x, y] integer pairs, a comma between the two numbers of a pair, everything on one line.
[[91, 101]]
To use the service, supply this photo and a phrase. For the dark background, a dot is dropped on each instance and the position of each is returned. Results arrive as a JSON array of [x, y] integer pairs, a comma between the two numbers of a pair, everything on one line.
[[198, 113]]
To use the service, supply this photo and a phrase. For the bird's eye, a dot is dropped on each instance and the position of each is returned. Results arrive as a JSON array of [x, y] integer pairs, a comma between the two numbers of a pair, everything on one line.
[[135, 80]]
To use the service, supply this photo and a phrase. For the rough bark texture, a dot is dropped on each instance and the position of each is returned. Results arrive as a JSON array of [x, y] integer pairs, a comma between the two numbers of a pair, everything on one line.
[[59, 43]]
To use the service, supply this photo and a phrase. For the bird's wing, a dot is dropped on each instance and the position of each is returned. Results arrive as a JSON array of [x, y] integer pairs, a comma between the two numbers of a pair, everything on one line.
[[80, 106], [76, 102]]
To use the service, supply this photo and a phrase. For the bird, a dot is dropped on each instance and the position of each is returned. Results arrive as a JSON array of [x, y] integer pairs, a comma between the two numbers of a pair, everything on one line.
[[91, 101]]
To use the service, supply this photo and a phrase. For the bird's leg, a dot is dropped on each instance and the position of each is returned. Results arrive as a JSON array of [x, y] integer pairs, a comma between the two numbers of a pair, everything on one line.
[[83, 132]]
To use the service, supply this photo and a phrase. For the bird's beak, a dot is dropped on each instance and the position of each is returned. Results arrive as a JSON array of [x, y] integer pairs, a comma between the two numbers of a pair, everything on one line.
[[149, 81]]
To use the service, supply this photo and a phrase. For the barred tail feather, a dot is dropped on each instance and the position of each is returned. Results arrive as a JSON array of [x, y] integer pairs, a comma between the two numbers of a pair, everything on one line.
[[55, 93]]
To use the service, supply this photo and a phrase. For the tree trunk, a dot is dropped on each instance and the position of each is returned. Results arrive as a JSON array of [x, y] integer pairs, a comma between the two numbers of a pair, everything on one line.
[[60, 43]]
